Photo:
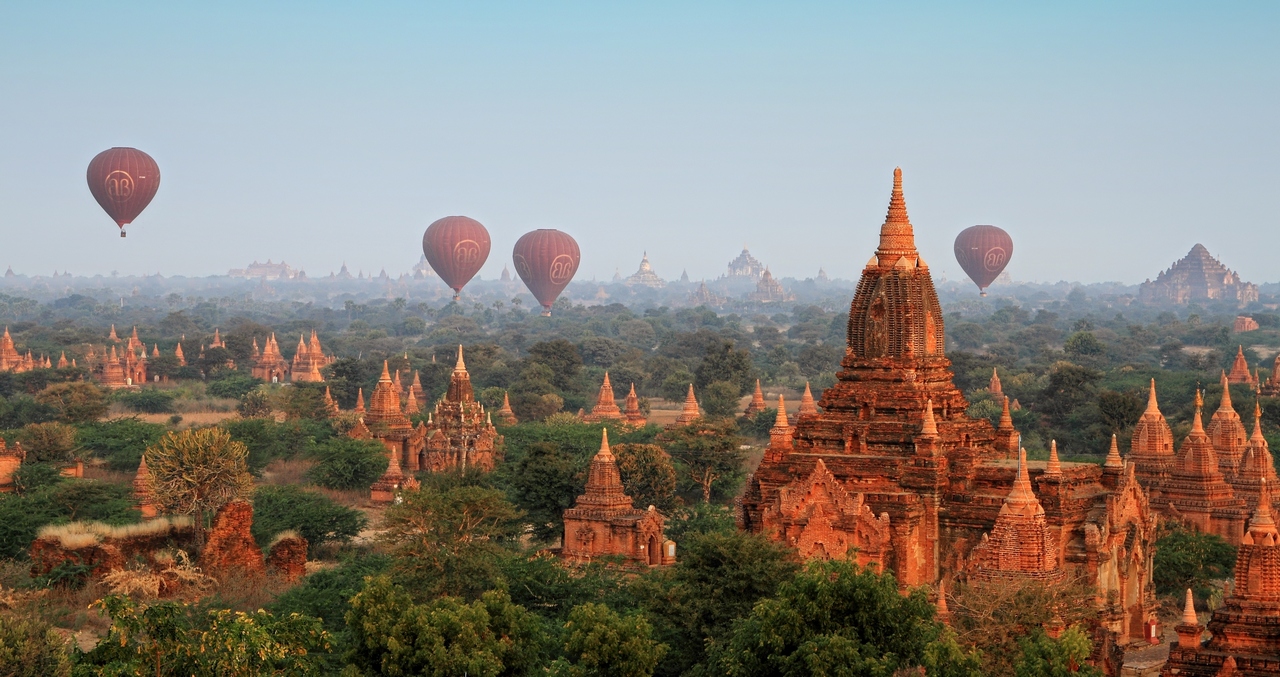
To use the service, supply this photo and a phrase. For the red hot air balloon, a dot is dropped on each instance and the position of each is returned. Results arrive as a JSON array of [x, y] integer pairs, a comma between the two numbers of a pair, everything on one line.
[[456, 247], [123, 181], [983, 252], [546, 260]]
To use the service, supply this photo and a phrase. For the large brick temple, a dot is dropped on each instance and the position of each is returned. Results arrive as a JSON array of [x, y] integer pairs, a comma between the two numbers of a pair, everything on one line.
[[890, 464]]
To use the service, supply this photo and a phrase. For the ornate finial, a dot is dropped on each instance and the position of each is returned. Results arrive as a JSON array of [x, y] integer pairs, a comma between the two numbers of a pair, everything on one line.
[[1006, 419], [461, 365], [1153, 407], [781, 420], [1054, 467], [930, 427], [1189, 610], [605, 453], [896, 236], [386, 373], [1226, 393], [1113, 455]]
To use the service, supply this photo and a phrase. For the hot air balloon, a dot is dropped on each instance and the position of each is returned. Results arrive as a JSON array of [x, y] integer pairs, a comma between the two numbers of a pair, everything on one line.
[[983, 252], [456, 247], [546, 260], [123, 181]]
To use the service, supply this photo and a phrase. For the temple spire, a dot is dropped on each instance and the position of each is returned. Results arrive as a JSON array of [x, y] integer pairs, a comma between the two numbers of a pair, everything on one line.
[[897, 238], [1054, 467], [386, 373], [930, 426], [1263, 524], [781, 420], [1197, 425], [1113, 455], [1257, 423], [1226, 395], [1153, 407], [461, 365], [1022, 499], [807, 405], [1189, 610]]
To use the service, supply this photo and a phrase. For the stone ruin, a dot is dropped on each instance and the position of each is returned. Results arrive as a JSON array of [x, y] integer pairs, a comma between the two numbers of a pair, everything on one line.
[[230, 547]]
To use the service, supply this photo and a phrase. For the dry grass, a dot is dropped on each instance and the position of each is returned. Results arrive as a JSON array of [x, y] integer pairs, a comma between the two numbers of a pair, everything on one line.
[[287, 471], [78, 535], [179, 574], [102, 473], [352, 498], [245, 593], [189, 419]]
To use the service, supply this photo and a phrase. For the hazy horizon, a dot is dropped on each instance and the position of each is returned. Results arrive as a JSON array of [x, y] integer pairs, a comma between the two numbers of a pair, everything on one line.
[[1106, 140]]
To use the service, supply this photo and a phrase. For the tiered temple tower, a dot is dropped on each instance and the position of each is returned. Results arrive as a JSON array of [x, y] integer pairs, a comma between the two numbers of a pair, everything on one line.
[[269, 365], [690, 412], [386, 422], [1245, 631], [460, 434], [1020, 545], [1256, 467], [308, 360], [1152, 447], [604, 521], [894, 453], [631, 413], [606, 407], [1195, 490], [1240, 369], [505, 415], [1227, 433], [10, 359], [757, 404]]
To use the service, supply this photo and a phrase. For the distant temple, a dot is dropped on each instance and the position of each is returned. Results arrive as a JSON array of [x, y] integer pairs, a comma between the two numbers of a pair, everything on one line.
[[422, 269], [114, 368], [1198, 277], [769, 290], [266, 271], [268, 364], [645, 277], [606, 406], [889, 461], [10, 359], [705, 297], [745, 266], [308, 360]]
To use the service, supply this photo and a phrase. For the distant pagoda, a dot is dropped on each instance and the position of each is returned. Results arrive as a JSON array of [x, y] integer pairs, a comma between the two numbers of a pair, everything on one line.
[[1198, 277], [745, 266], [645, 277]]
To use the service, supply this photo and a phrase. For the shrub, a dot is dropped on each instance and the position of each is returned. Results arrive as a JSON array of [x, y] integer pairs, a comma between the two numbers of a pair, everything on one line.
[[21, 410], [327, 595], [254, 404], [344, 463], [120, 441], [76, 402], [49, 442], [148, 400], [316, 517], [268, 440], [22, 515], [232, 385], [31, 648], [1191, 559]]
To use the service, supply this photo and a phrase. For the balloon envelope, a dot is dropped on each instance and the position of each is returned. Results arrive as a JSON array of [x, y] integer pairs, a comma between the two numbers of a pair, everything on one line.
[[123, 181], [983, 252], [456, 247], [546, 259]]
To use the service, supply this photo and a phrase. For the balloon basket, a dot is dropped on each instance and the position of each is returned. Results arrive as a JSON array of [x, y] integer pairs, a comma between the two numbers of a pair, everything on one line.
[[982, 294], [122, 233], [546, 312]]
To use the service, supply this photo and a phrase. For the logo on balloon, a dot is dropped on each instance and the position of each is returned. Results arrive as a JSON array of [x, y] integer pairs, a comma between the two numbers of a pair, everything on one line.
[[466, 252], [119, 185], [994, 259], [562, 269], [522, 266]]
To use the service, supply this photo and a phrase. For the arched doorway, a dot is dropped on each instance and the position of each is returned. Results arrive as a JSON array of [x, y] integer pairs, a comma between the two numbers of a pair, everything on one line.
[[655, 551]]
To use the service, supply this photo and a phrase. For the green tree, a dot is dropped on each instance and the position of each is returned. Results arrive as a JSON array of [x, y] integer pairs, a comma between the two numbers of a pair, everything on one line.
[[172, 638], [647, 474], [76, 402], [197, 471], [836, 618], [31, 648], [546, 481], [345, 463], [120, 441], [1191, 559], [318, 518], [707, 449], [717, 579], [448, 542], [1083, 344], [723, 363], [255, 404], [720, 399], [994, 618], [233, 385], [49, 442], [1065, 656], [148, 400], [601, 643], [490, 637], [561, 357]]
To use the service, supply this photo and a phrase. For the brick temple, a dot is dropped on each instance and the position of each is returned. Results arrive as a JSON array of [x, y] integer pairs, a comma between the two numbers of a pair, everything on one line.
[[1244, 632], [888, 461]]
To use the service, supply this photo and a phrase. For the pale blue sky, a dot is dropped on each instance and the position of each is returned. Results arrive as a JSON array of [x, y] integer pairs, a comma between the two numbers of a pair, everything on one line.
[[1107, 138]]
